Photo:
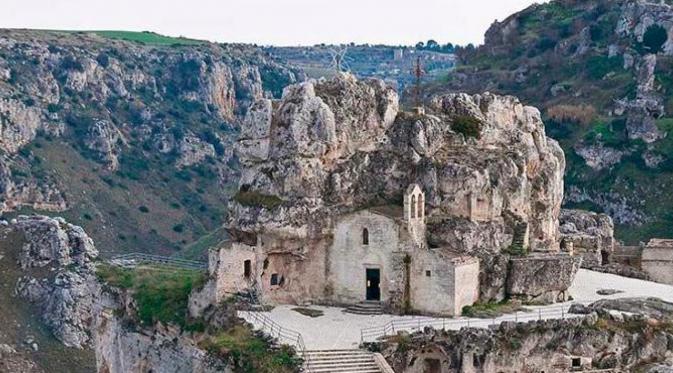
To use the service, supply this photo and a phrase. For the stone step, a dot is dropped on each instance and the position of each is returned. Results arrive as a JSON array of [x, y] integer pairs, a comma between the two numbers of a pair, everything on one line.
[[340, 361], [366, 308]]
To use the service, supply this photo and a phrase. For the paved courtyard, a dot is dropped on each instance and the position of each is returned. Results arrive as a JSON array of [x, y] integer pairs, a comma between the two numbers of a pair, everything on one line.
[[339, 330]]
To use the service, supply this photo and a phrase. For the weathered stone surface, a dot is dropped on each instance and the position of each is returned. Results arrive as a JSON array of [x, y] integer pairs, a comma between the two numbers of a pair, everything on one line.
[[602, 339], [163, 349], [65, 295], [542, 278], [106, 140], [330, 147], [588, 234]]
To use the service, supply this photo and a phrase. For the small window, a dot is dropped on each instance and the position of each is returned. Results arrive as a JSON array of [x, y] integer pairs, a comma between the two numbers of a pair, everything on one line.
[[420, 206], [247, 269], [413, 207], [428, 273], [365, 236], [274, 279]]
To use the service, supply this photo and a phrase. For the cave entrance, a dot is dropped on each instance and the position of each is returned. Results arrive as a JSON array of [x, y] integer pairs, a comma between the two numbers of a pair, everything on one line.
[[605, 257]]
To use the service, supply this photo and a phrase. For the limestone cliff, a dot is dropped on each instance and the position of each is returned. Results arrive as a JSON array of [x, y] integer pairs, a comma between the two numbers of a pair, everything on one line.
[[491, 176], [598, 70], [52, 266], [85, 117]]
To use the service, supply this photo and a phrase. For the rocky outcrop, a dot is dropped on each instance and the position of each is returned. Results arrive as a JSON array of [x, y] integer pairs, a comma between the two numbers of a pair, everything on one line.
[[58, 276], [588, 234], [332, 146], [162, 349], [542, 278], [106, 140], [605, 338]]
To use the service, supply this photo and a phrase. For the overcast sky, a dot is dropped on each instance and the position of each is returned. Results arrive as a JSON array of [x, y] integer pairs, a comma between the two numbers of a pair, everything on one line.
[[278, 22]]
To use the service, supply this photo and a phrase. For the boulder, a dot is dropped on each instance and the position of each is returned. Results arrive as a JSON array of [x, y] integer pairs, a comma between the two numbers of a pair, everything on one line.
[[66, 295], [542, 278]]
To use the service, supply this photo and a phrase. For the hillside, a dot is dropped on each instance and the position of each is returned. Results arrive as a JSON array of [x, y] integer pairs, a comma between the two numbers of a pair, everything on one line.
[[600, 71], [126, 134]]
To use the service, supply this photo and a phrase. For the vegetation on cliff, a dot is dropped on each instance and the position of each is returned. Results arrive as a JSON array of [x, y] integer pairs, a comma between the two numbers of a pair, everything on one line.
[[599, 72]]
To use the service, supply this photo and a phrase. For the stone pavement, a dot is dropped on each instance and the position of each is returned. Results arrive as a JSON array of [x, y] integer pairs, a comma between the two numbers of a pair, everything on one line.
[[339, 330]]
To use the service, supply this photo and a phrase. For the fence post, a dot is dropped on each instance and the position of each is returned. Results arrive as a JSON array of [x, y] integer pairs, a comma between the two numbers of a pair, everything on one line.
[[539, 314], [419, 324], [468, 322], [516, 316], [443, 323], [562, 314]]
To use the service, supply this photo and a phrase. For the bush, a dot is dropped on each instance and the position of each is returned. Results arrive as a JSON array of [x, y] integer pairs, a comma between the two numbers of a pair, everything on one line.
[[178, 228], [578, 114], [161, 294], [256, 199], [250, 352], [654, 39], [143, 209], [467, 125]]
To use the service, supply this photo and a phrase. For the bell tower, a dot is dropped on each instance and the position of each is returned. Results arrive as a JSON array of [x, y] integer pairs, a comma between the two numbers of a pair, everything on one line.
[[414, 213]]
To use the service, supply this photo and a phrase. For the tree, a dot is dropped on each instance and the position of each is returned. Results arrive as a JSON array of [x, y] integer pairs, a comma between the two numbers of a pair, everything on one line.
[[432, 44], [420, 45]]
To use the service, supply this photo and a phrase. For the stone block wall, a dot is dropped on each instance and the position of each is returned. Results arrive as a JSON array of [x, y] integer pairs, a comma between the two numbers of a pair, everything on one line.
[[657, 262]]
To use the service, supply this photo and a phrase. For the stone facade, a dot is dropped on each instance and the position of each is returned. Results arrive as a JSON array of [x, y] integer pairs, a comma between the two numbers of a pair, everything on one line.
[[657, 260], [375, 254]]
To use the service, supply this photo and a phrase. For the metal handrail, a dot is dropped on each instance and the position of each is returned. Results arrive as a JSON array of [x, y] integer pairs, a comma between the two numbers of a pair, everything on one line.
[[282, 334], [395, 326], [163, 260]]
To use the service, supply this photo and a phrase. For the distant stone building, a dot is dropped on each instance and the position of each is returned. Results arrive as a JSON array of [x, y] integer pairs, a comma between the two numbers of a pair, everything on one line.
[[657, 260], [377, 254]]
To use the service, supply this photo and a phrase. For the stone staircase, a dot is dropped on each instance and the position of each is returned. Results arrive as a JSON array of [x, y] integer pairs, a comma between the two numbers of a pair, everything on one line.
[[366, 308], [518, 246], [340, 361]]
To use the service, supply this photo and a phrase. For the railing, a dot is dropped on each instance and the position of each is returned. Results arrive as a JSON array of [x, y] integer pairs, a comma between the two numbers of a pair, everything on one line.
[[416, 324], [281, 334], [135, 259]]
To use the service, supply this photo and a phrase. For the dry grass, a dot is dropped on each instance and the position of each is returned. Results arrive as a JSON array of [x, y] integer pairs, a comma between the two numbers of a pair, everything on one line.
[[579, 114]]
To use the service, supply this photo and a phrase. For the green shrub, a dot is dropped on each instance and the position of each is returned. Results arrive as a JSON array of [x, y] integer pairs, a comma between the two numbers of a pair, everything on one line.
[[467, 125], [256, 199], [161, 293], [492, 309], [251, 353], [143, 209], [179, 228]]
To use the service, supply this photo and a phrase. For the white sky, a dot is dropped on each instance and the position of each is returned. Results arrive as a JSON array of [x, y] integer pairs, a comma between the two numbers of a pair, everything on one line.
[[278, 22]]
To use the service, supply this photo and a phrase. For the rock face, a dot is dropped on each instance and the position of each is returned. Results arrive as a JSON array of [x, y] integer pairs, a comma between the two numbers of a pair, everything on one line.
[[121, 350], [133, 108], [66, 294], [613, 61], [603, 339], [490, 175], [588, 234], [542, 279]]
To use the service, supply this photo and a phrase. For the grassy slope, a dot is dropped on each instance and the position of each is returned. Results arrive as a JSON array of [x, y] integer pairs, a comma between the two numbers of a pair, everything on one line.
[[18, 320], [144, 37], [111, 206]]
